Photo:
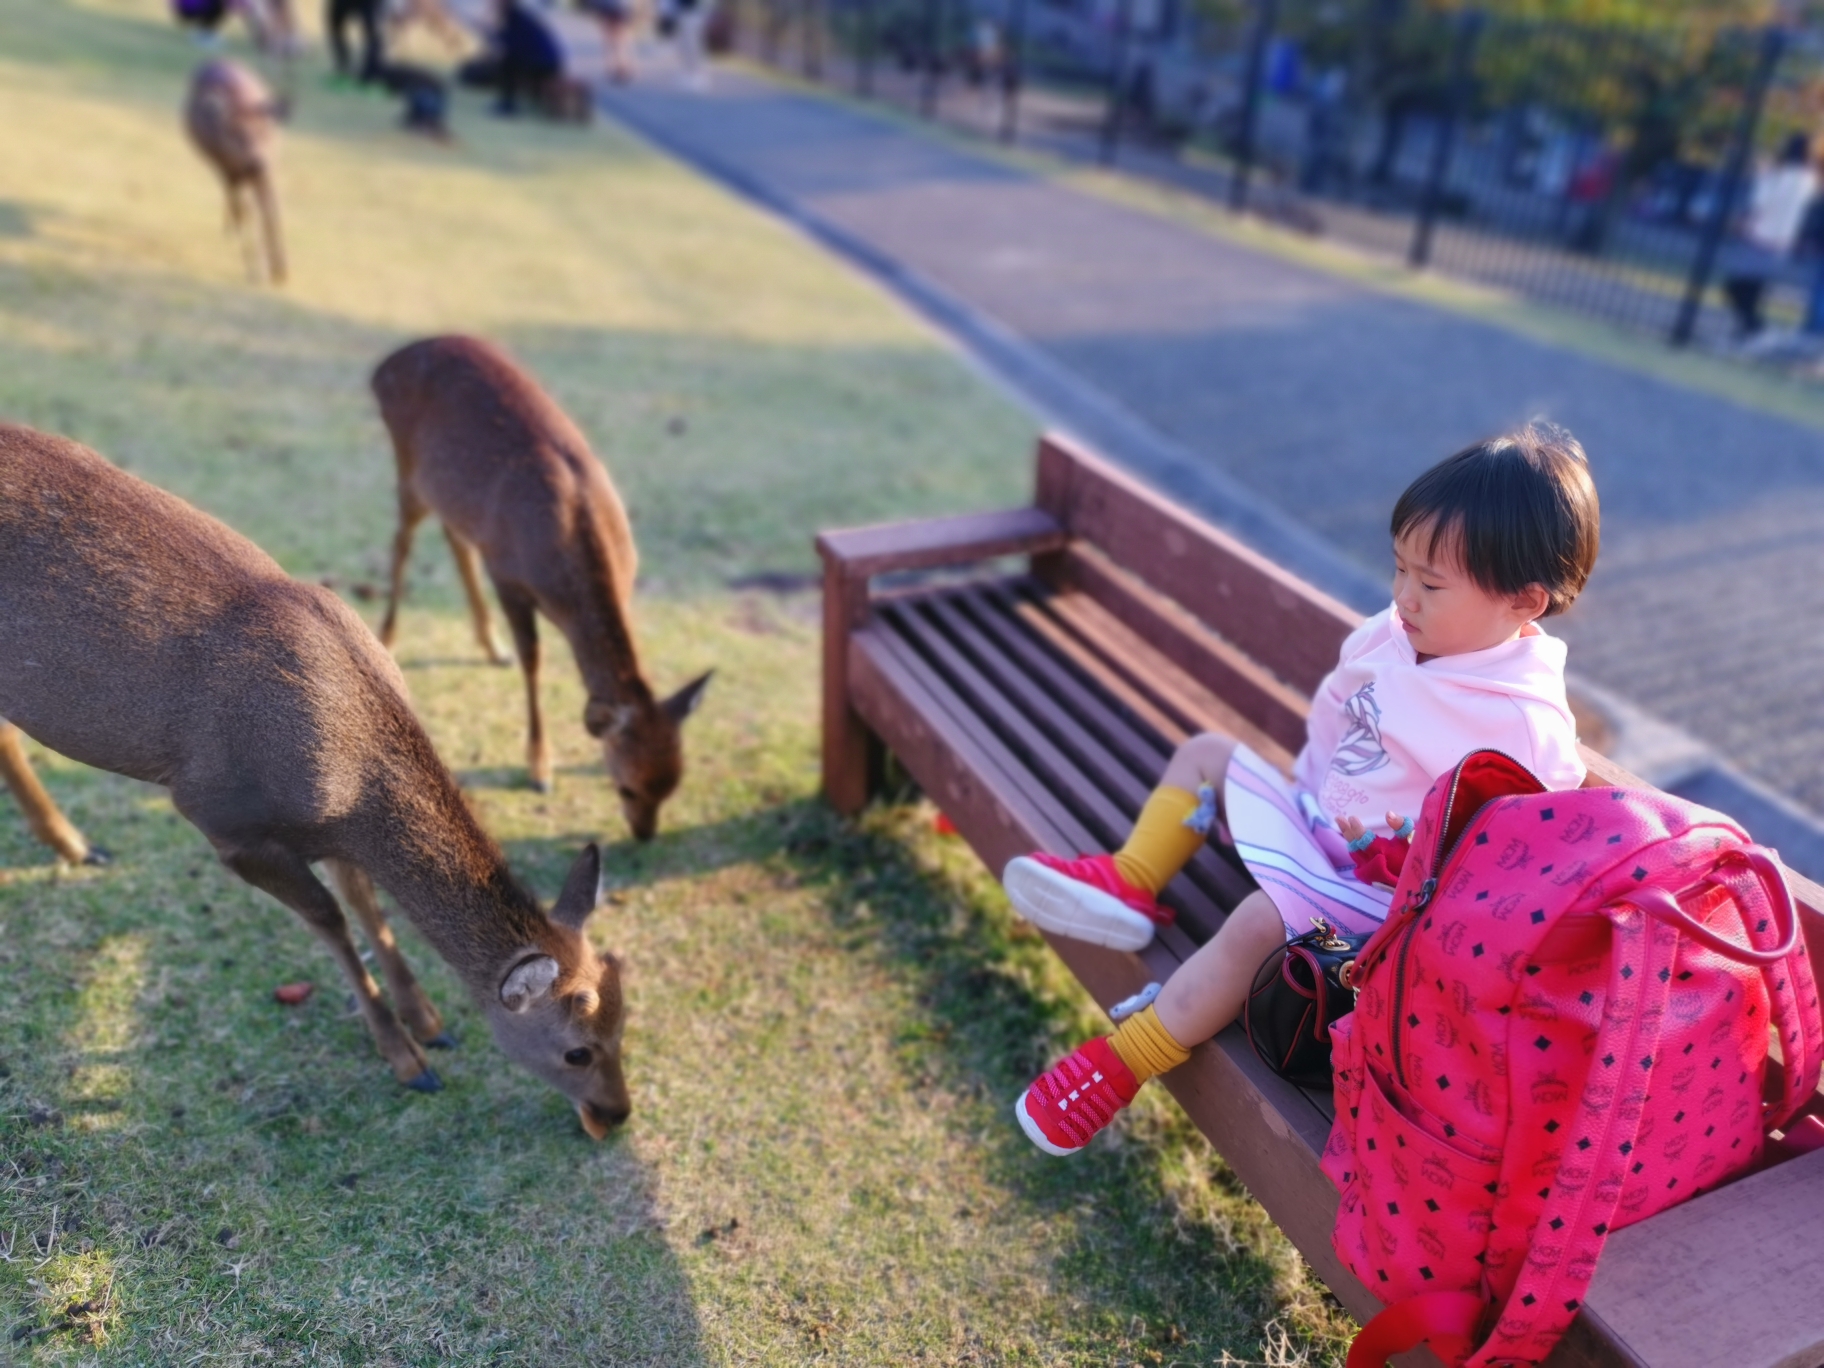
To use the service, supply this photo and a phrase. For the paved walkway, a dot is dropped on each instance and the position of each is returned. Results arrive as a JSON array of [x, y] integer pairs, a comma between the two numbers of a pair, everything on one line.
[[1293, 406]]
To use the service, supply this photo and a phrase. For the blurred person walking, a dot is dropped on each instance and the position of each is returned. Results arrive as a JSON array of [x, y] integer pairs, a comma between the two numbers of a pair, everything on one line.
[[338, 14], [1776, 211], [528, 55], [684, 21], [616, 18]]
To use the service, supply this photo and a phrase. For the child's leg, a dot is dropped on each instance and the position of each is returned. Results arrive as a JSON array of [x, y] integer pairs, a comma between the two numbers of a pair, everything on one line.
[[1112, 899], [1205, 993], [1067, 1105], [1161, 844]]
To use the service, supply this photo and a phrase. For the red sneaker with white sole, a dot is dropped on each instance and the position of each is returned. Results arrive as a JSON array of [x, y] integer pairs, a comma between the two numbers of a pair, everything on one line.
[[1085, 899], [1065, 1107]]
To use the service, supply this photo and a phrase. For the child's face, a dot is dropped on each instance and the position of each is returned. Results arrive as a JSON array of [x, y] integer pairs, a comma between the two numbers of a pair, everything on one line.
[[1446, 612]]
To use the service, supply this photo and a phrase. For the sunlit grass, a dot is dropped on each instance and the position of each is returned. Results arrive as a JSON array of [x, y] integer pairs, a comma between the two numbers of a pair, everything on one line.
[[827, 1020]]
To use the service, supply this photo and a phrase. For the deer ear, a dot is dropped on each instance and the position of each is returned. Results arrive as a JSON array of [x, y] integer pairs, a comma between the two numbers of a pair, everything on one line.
[[528, 980], [582, 890], [686, 700], [605, 717]]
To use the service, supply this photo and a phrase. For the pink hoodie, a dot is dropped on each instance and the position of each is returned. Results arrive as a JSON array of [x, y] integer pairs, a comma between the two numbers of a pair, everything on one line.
[[1383, 727]]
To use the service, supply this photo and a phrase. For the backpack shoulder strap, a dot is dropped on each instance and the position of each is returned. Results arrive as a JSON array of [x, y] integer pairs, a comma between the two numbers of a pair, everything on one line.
[[1792, 989], [1575, 1221]]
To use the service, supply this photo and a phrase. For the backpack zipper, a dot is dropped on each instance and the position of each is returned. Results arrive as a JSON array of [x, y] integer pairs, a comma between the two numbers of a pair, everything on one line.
[[1440, 858]]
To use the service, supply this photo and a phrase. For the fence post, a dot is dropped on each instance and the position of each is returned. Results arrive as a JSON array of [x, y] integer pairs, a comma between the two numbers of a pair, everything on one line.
[[927, 95], [1462, 67], [1773, 43], [810, 40], [1117, 83], [864, 56], [1265, 16], [1013, 71]]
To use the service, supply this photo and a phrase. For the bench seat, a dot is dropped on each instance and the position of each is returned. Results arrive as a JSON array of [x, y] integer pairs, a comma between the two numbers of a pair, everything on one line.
[[1037, 706]]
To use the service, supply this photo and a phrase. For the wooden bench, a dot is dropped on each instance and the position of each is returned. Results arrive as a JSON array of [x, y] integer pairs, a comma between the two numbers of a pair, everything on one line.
[[1037, 705]]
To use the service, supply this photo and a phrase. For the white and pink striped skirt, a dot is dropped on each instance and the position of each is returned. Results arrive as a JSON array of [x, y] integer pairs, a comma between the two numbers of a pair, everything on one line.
[[1276, 843]]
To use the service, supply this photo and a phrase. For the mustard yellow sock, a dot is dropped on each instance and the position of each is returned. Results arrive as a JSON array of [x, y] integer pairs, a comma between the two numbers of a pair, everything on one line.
[[1161, 844], [1145, 1046]]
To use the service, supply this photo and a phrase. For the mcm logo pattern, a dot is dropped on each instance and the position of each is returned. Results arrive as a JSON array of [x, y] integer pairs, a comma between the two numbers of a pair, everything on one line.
[[1534, 1062]]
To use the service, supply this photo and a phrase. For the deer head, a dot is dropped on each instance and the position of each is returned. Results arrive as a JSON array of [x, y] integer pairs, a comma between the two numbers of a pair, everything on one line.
[[558, 1009], [643, 750]]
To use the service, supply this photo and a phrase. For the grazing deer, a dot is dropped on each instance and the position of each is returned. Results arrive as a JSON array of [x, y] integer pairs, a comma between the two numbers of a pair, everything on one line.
[[515, 485], [234, 121], [41, 814], [139, 635]]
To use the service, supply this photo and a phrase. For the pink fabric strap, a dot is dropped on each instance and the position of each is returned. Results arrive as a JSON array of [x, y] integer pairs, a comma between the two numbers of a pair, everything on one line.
[[1448, 1321]]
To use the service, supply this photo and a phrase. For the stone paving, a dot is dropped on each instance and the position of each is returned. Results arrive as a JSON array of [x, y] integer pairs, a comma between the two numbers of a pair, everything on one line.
[[1294, 405]]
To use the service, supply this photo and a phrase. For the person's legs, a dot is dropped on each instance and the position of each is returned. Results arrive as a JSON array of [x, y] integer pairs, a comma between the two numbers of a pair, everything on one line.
[[372, 52], [336, 14]]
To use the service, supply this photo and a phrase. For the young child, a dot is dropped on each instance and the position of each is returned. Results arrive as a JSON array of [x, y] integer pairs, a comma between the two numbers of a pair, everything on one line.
[[1484, 544]]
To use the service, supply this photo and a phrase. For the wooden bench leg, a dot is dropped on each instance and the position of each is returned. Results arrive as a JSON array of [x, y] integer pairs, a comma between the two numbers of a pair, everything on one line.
[[853, 758]]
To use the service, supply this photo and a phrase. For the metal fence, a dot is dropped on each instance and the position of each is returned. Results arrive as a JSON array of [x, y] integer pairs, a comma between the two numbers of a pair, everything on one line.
[[1600, 169]]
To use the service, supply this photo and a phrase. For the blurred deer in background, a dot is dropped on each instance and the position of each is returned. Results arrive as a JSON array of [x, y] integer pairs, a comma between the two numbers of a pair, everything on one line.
[[143, 637], [233, 119], [516, 486], [48, 824]]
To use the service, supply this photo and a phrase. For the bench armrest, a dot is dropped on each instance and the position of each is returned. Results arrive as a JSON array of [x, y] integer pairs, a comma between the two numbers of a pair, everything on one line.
[[928, 543]]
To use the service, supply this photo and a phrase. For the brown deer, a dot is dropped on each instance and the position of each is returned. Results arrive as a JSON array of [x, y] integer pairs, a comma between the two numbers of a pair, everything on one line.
[[515, 485], [234, 121], [48, 824], [139, 635]]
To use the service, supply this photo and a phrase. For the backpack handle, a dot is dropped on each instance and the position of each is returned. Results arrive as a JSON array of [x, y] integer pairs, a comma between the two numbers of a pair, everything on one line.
[[1658, 903]]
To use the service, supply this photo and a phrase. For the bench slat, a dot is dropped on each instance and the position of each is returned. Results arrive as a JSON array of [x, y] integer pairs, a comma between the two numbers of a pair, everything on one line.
[[963, 768], [1278, 619], [1053, 771], [1130, 657], [1124, 760], [1239, 681]]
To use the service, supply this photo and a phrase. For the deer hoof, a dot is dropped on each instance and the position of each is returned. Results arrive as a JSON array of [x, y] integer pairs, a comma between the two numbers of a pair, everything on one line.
[[540, 785], [426, 1082], [98, 855], [443, 1040]]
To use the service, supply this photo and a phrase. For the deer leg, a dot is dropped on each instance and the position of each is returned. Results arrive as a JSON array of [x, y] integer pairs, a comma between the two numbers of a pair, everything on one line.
[[411, 513], [409, 1000], [468, 565], [48, 824], [283, 873], [523, 619], [268, 200], [250, 251]]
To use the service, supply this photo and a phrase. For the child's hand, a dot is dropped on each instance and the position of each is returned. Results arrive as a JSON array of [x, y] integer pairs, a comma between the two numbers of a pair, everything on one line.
[[1351, 827]]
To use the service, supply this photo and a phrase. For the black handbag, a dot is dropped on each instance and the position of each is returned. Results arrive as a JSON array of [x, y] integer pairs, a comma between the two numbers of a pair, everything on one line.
[[1297, 992]]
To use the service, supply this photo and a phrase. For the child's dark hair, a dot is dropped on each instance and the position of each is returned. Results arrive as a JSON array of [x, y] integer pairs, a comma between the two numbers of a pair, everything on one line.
[[1518, 510]]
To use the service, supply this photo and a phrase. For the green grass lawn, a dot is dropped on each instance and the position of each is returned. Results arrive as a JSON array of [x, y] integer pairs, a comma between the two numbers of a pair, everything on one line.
[[827, 1020]]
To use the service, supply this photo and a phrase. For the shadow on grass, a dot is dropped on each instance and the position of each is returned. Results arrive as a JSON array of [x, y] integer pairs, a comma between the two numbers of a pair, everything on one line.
[[187, 1167], [1152, 1274]]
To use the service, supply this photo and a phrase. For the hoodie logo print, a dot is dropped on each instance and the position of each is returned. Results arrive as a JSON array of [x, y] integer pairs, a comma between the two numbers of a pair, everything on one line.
[[1360, 751]]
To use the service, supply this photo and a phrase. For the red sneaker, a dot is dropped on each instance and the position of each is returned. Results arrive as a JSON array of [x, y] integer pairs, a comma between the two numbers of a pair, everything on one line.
[[1063, 1109], [1085, 899]]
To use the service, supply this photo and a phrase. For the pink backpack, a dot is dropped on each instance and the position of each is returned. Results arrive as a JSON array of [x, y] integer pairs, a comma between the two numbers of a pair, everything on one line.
[[1561, 1030]]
